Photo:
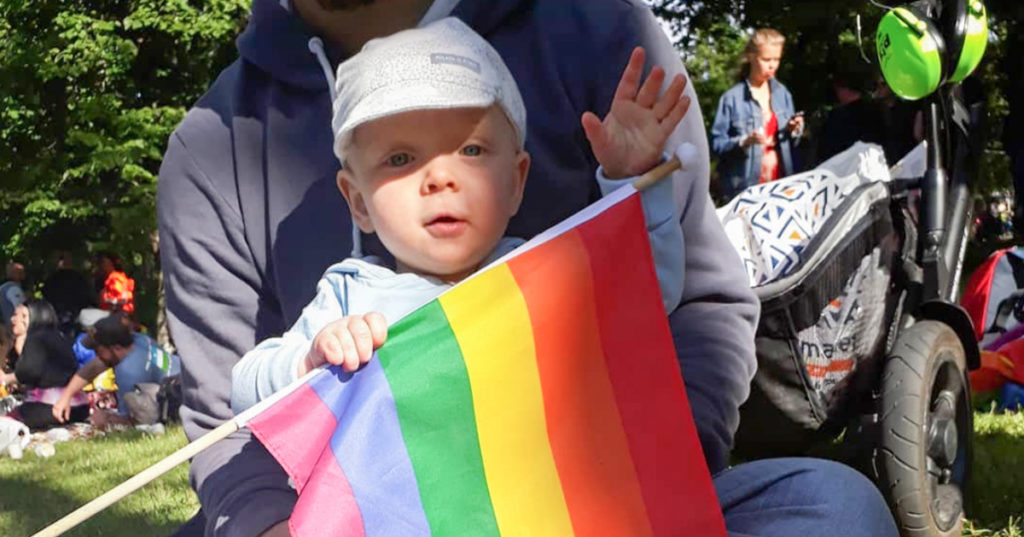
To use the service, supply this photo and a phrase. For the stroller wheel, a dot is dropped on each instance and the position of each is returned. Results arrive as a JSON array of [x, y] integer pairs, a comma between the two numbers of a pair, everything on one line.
[[922, 462]]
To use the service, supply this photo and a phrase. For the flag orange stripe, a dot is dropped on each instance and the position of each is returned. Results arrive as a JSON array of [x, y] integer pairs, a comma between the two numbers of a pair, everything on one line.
[[590, 448]]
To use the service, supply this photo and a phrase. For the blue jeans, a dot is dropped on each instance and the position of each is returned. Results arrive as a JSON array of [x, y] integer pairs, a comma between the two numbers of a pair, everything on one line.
[[801, 497]]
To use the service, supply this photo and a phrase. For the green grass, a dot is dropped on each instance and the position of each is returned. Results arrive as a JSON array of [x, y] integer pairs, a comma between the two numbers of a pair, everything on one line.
[[35, 492], [997, 501]]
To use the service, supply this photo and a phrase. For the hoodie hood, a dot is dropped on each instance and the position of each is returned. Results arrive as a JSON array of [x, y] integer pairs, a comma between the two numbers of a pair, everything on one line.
[[277, 40]]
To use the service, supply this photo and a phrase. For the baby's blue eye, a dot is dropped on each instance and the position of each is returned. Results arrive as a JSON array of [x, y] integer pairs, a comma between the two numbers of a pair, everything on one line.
[[472, 150], [399, 159]]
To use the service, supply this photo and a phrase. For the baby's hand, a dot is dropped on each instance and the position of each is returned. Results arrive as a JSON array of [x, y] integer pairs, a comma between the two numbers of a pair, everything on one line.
[[632, 137], [348, 342]]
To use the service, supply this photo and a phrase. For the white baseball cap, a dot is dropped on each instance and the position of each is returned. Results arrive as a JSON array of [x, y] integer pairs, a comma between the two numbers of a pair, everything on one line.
[[444, 64], [88, 316]]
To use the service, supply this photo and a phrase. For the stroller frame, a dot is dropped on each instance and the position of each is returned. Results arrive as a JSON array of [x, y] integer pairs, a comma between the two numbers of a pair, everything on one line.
[[907, 413], [919, 424]]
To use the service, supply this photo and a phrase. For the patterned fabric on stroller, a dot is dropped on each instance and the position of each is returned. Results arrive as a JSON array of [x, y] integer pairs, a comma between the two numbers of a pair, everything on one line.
[[819, 249]]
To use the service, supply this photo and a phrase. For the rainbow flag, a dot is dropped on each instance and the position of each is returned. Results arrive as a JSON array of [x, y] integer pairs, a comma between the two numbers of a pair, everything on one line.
[[539, 397]]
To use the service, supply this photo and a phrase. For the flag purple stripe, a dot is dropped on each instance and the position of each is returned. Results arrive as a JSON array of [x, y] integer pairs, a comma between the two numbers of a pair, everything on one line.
[[371, 453]]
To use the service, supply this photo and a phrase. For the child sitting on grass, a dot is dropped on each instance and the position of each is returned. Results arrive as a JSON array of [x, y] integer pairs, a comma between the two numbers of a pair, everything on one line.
[[430, 129]]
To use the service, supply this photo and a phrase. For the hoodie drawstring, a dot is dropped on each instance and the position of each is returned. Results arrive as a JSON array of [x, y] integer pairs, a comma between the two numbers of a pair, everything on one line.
[[316, 46]]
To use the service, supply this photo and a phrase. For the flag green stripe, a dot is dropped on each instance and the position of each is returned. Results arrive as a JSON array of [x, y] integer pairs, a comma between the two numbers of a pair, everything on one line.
[[438, 422]]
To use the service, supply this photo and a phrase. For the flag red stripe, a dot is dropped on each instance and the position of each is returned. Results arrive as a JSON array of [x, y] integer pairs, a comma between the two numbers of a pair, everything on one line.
[[297, 430], [645, 376], [327, 506], [585, 433]]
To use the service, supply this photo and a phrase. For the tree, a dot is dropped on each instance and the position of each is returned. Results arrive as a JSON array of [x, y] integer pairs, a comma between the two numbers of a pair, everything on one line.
[[89, 93]]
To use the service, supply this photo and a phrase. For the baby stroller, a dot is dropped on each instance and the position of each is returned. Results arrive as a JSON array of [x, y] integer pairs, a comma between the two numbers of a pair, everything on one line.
[[857, 266]]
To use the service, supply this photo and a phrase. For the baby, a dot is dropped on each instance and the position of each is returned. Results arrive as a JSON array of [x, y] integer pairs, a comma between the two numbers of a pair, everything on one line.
[[430, 129]]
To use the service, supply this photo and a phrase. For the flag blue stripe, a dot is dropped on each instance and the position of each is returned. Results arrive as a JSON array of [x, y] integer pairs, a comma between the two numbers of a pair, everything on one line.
[[370, 450]]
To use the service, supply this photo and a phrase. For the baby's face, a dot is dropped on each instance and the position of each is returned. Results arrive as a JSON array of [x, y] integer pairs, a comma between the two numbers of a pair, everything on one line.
[[437, 186]]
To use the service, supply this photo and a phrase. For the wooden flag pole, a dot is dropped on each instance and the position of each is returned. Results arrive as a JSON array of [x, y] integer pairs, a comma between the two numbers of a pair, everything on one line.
[[685, 157], [660, 172], [86, 511], [168, 463]]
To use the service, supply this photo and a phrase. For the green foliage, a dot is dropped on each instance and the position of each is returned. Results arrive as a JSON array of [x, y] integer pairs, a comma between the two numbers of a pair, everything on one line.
[[89, 93], [713, 63]]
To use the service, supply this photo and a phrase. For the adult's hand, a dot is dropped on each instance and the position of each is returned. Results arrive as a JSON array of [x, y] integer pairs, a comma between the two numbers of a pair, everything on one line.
[[62, 410], [795, 126], [757, 137]]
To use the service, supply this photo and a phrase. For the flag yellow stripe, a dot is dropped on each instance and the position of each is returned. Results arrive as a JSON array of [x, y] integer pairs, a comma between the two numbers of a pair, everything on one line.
[[496, 340]]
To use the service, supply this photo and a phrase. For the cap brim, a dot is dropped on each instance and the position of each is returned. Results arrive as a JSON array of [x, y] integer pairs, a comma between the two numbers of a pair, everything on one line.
[[386, 102]]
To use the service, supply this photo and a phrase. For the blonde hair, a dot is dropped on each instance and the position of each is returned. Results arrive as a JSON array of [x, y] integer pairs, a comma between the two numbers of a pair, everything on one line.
[[762, 37]]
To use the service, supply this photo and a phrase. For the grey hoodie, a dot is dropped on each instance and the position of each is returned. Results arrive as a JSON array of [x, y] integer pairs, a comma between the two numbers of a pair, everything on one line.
[[250, 217]]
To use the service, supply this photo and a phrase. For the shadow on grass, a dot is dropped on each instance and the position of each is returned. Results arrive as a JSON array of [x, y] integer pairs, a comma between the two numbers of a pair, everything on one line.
[[29, 506], [35, 492]]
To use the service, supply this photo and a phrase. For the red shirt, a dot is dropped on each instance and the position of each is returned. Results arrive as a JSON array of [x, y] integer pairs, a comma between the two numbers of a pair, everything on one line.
[[770, 160]]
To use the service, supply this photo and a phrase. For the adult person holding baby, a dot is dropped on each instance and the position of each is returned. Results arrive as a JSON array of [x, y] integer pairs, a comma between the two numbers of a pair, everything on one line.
[[251, 217], [756, 126]]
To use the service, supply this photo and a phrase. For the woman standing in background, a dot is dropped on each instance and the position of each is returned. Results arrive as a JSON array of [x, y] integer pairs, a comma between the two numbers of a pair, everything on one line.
[[756, 126]]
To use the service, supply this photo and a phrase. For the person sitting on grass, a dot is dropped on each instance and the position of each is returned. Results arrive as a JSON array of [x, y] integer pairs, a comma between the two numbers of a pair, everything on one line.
[[45, 364], [440, 197], [135, 358]]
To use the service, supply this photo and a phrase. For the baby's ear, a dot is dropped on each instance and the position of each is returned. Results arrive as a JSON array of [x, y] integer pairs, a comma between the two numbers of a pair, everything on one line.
[[522, 170], [354, 198]]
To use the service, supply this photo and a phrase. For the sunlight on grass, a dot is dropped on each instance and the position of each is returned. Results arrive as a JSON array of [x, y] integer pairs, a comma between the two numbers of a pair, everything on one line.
[[35, 492], [997, 500], [1012, 529]]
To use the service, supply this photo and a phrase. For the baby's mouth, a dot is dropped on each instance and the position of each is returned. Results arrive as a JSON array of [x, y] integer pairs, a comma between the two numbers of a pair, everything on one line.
[[445, 226]]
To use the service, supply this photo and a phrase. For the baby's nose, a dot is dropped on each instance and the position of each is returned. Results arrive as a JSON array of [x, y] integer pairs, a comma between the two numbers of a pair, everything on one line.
[[439, 178]]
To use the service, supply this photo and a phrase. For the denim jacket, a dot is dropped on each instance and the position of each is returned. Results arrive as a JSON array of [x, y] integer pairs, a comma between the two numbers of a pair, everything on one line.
[[737, 116]]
